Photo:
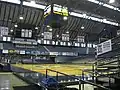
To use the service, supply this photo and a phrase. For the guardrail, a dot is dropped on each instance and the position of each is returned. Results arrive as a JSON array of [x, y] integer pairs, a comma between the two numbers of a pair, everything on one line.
[[79, 79]]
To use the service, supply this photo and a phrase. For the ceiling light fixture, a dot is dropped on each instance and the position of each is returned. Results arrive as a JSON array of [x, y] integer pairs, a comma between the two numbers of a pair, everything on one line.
[[11, 30], [50, 29], [65, 18], [111, 1], [67, 32], [36, 27], [16, 25], [21, 17], [82, 27], [57, 35], [48, 26], [42, 34]]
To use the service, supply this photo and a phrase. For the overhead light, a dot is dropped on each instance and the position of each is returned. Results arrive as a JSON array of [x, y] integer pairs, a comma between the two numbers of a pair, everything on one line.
[[67, 32], [82, 27], [36, 27], [21, 17], [16, 25], [48, 26], [11, 30], [65, 18], [111, 1], [42, 34], [57, 35], [50, 29]]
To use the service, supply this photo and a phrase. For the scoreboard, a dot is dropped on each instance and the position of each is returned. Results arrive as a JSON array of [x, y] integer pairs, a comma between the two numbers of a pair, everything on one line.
[[55, 15], [56, 9]]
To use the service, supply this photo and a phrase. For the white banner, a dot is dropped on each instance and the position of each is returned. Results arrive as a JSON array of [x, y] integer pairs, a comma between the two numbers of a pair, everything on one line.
[[104, 47], [81, 38], [4, 31], [48, 35], [65, 37]]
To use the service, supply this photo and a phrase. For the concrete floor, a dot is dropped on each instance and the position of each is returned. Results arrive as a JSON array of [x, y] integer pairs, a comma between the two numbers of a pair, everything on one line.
[[10, 82]]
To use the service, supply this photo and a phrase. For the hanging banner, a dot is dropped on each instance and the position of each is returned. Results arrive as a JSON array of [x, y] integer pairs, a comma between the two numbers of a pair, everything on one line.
[[65, 37], [104, 47], [81, 38], [4, 31], [48, 35]]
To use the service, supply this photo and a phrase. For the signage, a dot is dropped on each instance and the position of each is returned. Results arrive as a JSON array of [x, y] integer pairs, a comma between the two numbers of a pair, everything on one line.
[[104, 47], [27, 52], [25, 41], [24, 46], [54, 53], [22, 52], [5, 51], [11, 51], [58, 9]]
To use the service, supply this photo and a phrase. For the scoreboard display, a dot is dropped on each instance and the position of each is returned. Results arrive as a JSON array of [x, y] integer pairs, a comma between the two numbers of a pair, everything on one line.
[[58, 9], [56, 16]]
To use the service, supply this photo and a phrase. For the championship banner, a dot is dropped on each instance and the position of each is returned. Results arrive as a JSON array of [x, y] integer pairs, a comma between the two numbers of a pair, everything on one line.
[[48, 35], [81, 38], [4, 31], [65, 37], [104, 47]]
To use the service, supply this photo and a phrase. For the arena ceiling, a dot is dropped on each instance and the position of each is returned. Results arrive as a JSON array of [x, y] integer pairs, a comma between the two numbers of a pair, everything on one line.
[[9, 16]]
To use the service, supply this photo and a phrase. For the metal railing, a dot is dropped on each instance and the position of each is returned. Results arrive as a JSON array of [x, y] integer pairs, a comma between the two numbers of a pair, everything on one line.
[[79, 79]]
